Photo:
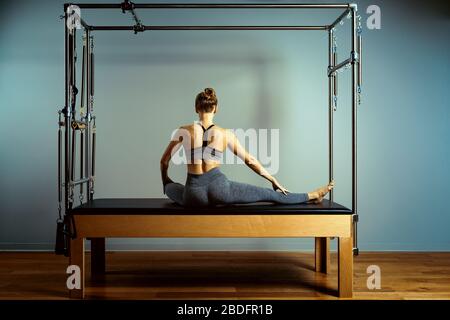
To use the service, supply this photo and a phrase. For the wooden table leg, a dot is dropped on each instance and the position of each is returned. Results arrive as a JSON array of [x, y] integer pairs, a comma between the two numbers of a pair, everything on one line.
[[97, 257], [345, 267], [77, 258], [322, 255]]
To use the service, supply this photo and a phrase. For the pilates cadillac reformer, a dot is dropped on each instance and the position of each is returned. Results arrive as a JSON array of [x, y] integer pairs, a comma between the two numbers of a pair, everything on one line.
[[97, 219]]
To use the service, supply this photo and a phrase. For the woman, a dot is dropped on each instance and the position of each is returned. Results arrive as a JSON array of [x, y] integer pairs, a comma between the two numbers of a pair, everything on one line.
[[204, 144]]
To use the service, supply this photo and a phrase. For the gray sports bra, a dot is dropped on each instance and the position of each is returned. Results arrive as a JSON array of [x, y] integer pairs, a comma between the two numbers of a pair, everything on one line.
[[205, 152]]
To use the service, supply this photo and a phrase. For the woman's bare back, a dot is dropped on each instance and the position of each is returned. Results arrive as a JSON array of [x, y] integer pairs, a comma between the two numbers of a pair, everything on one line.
[[193, 136]]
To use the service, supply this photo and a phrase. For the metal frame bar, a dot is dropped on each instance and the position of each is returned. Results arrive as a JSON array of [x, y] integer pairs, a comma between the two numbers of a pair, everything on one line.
[[88, 112], [330, 110], [84, 24], [216, 6], [132, 28], [81, 123], [339, 19], [68, 114], [66, 111], [335, 68], [354, 130], [89, 154]]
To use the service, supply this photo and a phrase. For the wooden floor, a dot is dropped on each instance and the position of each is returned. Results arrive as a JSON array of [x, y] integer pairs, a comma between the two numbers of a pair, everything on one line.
[[225, 275]]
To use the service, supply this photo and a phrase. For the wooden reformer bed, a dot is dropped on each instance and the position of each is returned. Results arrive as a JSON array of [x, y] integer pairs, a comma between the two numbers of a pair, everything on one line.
[[160, 218]]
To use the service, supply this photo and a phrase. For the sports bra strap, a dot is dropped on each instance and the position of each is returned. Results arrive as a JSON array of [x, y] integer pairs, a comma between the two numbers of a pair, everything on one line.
[[205, 142], [204, 130]]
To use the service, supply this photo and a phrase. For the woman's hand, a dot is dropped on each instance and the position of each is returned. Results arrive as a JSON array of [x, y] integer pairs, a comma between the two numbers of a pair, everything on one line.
[[277, 186]]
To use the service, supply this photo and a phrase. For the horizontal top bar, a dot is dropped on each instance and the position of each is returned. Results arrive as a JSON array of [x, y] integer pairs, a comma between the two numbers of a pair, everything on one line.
[[211, 28], [215, 6]]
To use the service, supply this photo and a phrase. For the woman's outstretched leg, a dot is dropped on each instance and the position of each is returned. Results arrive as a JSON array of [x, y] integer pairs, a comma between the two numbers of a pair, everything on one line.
[[246, 193], [175, 192]]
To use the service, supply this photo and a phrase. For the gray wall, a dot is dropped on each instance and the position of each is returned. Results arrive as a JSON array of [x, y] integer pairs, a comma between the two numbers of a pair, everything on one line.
[[145, 86]]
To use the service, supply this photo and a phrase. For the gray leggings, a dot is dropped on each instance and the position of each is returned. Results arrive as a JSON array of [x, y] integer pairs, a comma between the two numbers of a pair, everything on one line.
[[213, 188]]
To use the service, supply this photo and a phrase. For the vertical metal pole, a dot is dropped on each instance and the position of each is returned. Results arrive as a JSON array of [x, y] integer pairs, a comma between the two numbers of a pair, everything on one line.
[[68, 113], [354, 131], [83, 82], [330, 110], [73, 72], [93, 128], [88, 114], [73, 104], [59, 164]]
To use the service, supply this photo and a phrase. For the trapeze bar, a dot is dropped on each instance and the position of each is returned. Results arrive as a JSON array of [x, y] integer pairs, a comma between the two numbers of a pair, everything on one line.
[[77, 182], [132, 28], [339, 66], [214, 6]]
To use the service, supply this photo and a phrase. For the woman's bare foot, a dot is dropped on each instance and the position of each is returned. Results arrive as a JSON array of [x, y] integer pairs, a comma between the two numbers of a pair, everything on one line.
[[317, 195]]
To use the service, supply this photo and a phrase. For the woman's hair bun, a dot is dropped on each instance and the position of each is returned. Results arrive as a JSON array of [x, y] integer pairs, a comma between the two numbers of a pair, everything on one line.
[[206, 100], [210, 93]]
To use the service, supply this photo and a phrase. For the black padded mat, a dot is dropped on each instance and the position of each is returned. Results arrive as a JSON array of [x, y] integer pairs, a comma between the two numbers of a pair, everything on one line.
[[131, 206]]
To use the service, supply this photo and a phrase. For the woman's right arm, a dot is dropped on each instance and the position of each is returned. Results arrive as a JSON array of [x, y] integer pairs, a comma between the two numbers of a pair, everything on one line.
[[173, 146], [235, 146]]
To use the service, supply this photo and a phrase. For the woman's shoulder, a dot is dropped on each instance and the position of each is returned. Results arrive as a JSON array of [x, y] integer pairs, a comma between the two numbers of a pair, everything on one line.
[[187, 126], [190, 127]]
